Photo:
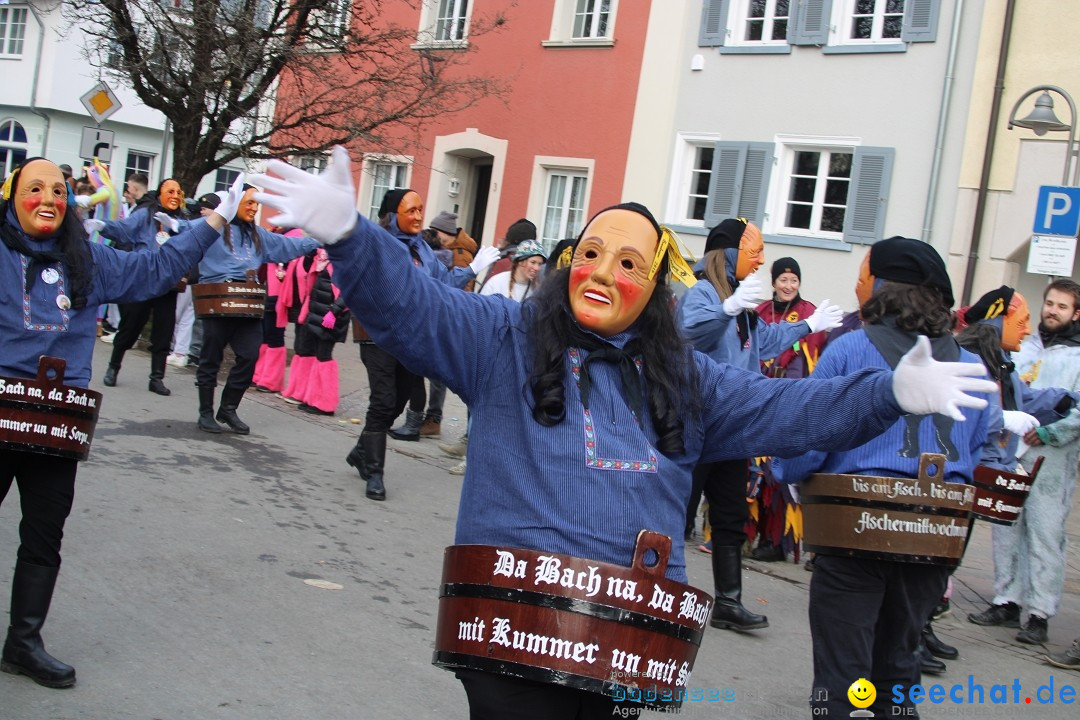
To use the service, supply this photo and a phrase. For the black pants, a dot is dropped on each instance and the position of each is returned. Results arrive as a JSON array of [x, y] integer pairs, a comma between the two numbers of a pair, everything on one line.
[[46, 491], [133, 318], [244, 335], [273, 335], [496, 697], [390, 386], [865, 620], [724, 485]]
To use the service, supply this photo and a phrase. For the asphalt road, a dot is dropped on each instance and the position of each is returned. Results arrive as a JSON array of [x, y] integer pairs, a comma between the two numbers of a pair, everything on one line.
[[248, 577]]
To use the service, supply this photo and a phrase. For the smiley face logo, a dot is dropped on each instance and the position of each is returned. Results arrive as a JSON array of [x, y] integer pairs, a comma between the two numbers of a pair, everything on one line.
[[862, 693]]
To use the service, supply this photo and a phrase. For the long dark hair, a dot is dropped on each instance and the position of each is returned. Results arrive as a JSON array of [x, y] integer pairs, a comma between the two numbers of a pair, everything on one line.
[[917, 308], [984, 340], [73, 241], [670, 373]]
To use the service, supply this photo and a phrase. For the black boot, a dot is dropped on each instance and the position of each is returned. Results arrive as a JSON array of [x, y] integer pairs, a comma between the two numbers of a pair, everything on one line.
[[157, 374], [109, 380], [206, 410], [936, 647], [356, 459], [374, 460], [24, 651], [411, 429], [230, 400], [928, 664], [729, 612]]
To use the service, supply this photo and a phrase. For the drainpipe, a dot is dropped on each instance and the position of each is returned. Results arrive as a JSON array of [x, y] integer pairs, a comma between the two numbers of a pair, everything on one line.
[[943, 119], [37, 71], [988, 155]]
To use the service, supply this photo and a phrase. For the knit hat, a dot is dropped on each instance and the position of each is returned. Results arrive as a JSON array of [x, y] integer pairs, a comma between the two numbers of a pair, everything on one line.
[[785, 265], [991, 305], [520, 230], [445, 222], [914, 262], [725, 235], [65, 170], [529, 248], [209, 201], [392, 199]]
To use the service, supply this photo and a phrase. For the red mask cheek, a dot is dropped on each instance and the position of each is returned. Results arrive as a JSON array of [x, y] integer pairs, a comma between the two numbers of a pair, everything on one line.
[[629, 290], [31, 203], [578, 275], [61, 208]]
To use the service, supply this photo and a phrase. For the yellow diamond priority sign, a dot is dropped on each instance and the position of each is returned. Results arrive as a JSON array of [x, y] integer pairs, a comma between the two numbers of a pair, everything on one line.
[[100, 102]]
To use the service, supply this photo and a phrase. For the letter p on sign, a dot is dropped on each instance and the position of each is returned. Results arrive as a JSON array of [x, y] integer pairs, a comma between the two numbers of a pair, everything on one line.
[[1058, 211]]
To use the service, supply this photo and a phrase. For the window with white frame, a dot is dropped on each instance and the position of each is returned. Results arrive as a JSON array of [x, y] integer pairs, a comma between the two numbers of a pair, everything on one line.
[[224, 178], [688, 194], [872, 20], [583, 22], [816, 183], [444, 23], [12, 31], [760, 21], [13, 146], [385, 176], [329, 24], [139, 162], [564, 206], [313, 164], [823, 190]]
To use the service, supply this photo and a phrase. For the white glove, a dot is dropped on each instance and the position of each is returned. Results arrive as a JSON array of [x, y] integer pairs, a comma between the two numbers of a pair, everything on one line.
[[1019, 423], [745, 296], [167, 221], [93, 225], [922, 385], [231, 200], [324, 205], [82, 201], [825, 317], [485, 257]]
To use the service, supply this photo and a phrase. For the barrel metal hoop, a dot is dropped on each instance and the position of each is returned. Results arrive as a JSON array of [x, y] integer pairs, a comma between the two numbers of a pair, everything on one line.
[[580, 607], [880, 555]]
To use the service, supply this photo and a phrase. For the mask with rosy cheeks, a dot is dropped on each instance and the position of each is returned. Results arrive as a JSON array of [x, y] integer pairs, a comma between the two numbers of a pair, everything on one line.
[[40, 199], [609, 275], [248, 207], [1016, 325], [410, 214], [170, 195]]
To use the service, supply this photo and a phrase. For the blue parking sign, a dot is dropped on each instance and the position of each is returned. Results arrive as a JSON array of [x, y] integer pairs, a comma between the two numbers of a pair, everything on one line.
[[1058, 211]]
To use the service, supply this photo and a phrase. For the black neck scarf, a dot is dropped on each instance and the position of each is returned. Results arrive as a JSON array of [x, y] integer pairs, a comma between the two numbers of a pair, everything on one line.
[[1069, 336], [893, 343], [601, 350], [782, 308], [15, 239]]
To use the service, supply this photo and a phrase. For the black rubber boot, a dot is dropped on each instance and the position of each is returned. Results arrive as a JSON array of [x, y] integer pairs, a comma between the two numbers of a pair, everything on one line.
[[230, 400], [206, 410], [355, 459], [109, 379], [729, 612], [411, 429], [374, 449], [24, 652], [157, 374], [935, 645], [928, 664]]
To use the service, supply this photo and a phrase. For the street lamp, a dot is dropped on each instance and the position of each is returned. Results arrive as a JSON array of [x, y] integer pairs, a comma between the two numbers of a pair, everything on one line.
[[1043, 120]]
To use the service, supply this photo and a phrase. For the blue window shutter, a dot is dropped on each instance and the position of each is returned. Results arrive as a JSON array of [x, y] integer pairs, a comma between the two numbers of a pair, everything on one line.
[[868, 195], [729, 160], [755, 182], [920, 20], [714, 15], [812, 23]]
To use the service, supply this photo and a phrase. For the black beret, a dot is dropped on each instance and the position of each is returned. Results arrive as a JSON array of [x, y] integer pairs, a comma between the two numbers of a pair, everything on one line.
[[391, 200], [910, 261], [991, 305]]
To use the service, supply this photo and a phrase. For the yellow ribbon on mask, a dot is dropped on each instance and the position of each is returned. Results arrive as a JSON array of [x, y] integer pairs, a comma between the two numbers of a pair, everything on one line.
[[565, 257], [996, 308], [670, 246], [5, 191]]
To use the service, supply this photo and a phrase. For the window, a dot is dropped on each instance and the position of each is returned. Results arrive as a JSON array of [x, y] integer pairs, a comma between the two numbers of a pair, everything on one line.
[[313, 164], [817, 192], [837, 26], [451, 21], [385, 177], [12, 31], [583, 22], [12, 146], [564, 207], [138, 162], [591, 19], [690, 177], [224, 178], [826, 190], [327, 26]]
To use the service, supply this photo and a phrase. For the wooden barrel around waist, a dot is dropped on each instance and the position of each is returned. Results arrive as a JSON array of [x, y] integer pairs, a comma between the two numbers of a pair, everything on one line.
[[1000, 495], [924, 520], [229, 299], [46, 416], [625, 632]]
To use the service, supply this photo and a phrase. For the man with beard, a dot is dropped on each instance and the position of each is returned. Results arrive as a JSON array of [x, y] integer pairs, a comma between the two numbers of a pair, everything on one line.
[[243, 246], [1034, 577]]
